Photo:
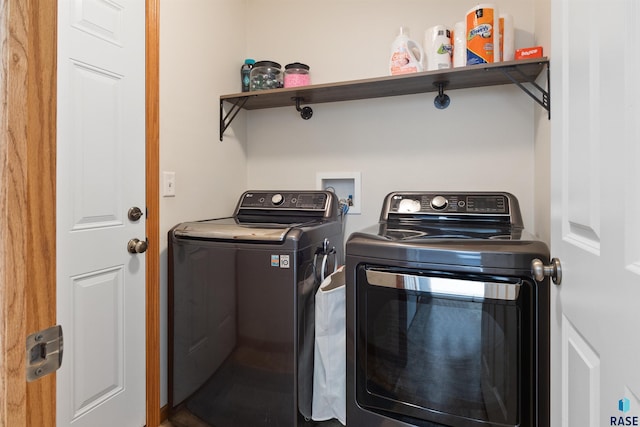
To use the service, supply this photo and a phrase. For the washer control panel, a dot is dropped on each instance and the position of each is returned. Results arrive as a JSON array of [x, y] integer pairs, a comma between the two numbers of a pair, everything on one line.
[[285, 200]]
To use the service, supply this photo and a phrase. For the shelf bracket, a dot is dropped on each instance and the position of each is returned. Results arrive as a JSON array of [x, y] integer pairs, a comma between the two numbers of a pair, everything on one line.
[[226, 119], [544, 98], [441, 100], [305, 112]]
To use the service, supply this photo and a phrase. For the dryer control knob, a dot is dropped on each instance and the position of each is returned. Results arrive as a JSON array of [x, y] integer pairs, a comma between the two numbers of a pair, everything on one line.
[[439, 203], [277, 199]]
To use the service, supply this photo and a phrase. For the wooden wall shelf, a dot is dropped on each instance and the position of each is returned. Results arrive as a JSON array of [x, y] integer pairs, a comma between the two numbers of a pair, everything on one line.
[[522, 73]]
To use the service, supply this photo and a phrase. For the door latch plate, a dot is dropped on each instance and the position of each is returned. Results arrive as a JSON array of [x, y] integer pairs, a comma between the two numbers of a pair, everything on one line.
[[44, 352]]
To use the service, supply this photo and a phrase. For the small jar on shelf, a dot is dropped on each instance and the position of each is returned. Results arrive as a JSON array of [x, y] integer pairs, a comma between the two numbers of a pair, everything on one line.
[[296, 74], [266, 75]]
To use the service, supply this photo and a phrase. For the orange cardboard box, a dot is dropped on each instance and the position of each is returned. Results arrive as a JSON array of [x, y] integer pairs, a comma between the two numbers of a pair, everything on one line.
[[529, 52]]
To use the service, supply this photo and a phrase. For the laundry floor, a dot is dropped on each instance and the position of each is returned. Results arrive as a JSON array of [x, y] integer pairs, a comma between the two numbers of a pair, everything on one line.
[[184, 418]]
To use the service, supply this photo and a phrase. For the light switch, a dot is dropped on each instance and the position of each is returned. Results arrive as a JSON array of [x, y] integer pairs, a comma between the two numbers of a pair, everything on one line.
[[168, 184]]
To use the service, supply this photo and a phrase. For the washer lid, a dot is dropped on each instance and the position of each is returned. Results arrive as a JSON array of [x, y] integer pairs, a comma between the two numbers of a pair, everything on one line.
[[231, 229]]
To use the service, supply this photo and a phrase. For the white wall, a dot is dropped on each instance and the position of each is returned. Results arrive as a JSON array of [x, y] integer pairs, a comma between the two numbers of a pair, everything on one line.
[[201, 49], [483, 141], [399, 144], [351, 39], [542, 145]]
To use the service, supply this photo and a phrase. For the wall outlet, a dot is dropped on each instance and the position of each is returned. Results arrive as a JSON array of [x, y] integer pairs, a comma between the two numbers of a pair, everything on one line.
[[169, 184]]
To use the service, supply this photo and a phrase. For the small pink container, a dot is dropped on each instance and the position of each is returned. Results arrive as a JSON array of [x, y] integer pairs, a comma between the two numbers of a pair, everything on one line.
[[296, 74]]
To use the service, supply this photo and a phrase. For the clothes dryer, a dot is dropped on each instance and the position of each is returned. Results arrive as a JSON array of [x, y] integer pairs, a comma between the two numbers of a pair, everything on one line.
[[242, 307], [446, 325]]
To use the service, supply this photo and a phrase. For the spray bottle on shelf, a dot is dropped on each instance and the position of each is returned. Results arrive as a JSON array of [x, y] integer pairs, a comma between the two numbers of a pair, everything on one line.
[[406, 55]]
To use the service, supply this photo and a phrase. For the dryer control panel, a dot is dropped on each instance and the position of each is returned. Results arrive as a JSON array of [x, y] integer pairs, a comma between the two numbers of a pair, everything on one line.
[[451, 205]]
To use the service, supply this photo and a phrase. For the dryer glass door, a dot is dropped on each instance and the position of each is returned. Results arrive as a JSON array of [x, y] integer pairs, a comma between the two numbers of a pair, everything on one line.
[[441, 347]]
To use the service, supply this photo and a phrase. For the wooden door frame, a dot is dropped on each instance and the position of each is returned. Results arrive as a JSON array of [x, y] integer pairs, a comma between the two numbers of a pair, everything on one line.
[[27, 203], [153, 211], [28, 36]]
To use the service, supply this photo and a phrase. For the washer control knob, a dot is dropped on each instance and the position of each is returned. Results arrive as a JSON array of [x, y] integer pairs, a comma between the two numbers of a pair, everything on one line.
[[439, 203], [277, 199]]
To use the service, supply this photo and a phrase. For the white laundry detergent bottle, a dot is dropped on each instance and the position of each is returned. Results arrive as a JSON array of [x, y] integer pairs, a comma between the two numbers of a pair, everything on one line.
[[406, 55]]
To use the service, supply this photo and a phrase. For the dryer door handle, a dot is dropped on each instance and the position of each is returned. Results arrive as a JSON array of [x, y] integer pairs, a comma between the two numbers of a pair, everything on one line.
[[477, 290]]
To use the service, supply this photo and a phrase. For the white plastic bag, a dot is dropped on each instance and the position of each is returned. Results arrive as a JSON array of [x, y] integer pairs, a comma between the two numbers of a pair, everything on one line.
[[329, 370]]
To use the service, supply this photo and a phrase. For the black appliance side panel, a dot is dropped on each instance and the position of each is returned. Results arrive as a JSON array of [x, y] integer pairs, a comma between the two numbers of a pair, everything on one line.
[[204, 312], [256, 384]]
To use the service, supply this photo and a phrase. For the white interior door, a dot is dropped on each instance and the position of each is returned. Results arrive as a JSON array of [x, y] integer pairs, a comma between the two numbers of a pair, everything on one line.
[[596, 212], [100, 176]]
